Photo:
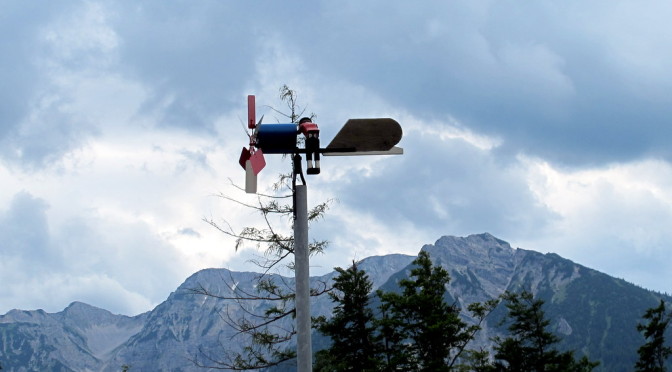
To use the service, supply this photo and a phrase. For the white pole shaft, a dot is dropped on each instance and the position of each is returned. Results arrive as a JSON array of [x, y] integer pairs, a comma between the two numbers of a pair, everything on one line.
[[304, 351]]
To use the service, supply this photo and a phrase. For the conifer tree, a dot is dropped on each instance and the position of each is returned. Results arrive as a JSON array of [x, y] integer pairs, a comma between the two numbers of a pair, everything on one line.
[[530, 346], [421, 332], [351, 327], [653, 354], [414, 329]]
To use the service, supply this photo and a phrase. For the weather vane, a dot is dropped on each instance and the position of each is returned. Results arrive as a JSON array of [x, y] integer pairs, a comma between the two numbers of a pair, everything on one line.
[[357, 137]]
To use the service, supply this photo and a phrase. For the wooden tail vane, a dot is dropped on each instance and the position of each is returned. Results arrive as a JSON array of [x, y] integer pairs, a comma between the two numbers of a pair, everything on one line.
[[357, 137]]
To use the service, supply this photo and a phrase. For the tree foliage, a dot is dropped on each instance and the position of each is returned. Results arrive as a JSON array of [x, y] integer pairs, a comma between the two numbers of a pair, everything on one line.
[[654, 353], [421, 315], [413, 330], [530, 346], [351, 327]]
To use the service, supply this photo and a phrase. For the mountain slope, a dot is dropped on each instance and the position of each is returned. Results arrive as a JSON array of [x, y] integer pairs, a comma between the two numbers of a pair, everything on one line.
[[189, 327], [76, 339], [594, 313]]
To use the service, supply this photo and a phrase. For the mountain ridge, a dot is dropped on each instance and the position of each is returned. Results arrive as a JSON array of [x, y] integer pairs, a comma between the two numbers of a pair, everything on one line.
[[594, 312]]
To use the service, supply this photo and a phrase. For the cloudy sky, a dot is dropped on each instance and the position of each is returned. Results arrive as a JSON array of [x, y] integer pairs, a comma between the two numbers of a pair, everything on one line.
[[544, 123]]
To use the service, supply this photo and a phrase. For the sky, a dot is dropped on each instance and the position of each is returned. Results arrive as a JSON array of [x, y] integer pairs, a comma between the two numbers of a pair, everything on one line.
[[544, 123]]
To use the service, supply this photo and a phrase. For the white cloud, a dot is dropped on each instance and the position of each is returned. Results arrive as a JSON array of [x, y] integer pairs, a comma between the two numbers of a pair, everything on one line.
[[354, 234], [121, 121], [613, 218], [42, 255]]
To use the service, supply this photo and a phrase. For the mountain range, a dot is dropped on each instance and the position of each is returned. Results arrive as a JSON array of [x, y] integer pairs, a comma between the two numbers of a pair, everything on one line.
[[594, 313]]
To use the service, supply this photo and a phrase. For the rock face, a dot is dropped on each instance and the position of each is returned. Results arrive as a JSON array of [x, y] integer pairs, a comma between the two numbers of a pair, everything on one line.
[[79, 338], [188, 328], [594, 313], [481, 266]]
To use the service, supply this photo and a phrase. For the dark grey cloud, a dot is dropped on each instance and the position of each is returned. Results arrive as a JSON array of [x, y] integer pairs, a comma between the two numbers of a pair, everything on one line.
[[44, 137], [18, 24], [191, 60], [25, 139], [561, 81], [549, 78], [194, 57]]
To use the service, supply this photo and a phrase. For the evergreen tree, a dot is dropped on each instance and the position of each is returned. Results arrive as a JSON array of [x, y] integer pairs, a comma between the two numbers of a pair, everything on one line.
[[416, 329], [530, 346], [654, 353], [420, 331], [477, 361], [351, 327]]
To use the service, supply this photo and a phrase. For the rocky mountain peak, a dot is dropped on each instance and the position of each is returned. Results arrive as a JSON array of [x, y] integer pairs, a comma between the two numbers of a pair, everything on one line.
[[78, 309], [476, 261], [380, 268], [25, 316]]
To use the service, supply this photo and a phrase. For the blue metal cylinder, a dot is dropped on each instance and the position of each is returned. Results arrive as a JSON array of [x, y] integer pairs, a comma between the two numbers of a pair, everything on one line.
[[277, 138]]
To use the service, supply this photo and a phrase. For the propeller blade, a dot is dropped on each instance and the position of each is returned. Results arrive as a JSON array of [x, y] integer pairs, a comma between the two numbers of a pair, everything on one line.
[[251, 112], [244, 157]]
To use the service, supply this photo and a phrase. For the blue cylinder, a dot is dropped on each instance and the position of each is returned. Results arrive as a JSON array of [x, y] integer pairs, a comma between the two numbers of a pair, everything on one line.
[[277, 138]]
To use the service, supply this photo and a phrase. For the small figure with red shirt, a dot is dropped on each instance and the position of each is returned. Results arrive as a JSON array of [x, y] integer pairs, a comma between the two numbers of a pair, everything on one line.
[[312, 133]]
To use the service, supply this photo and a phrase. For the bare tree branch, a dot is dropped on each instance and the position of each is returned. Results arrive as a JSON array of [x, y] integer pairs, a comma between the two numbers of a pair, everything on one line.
[[265, 330]]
